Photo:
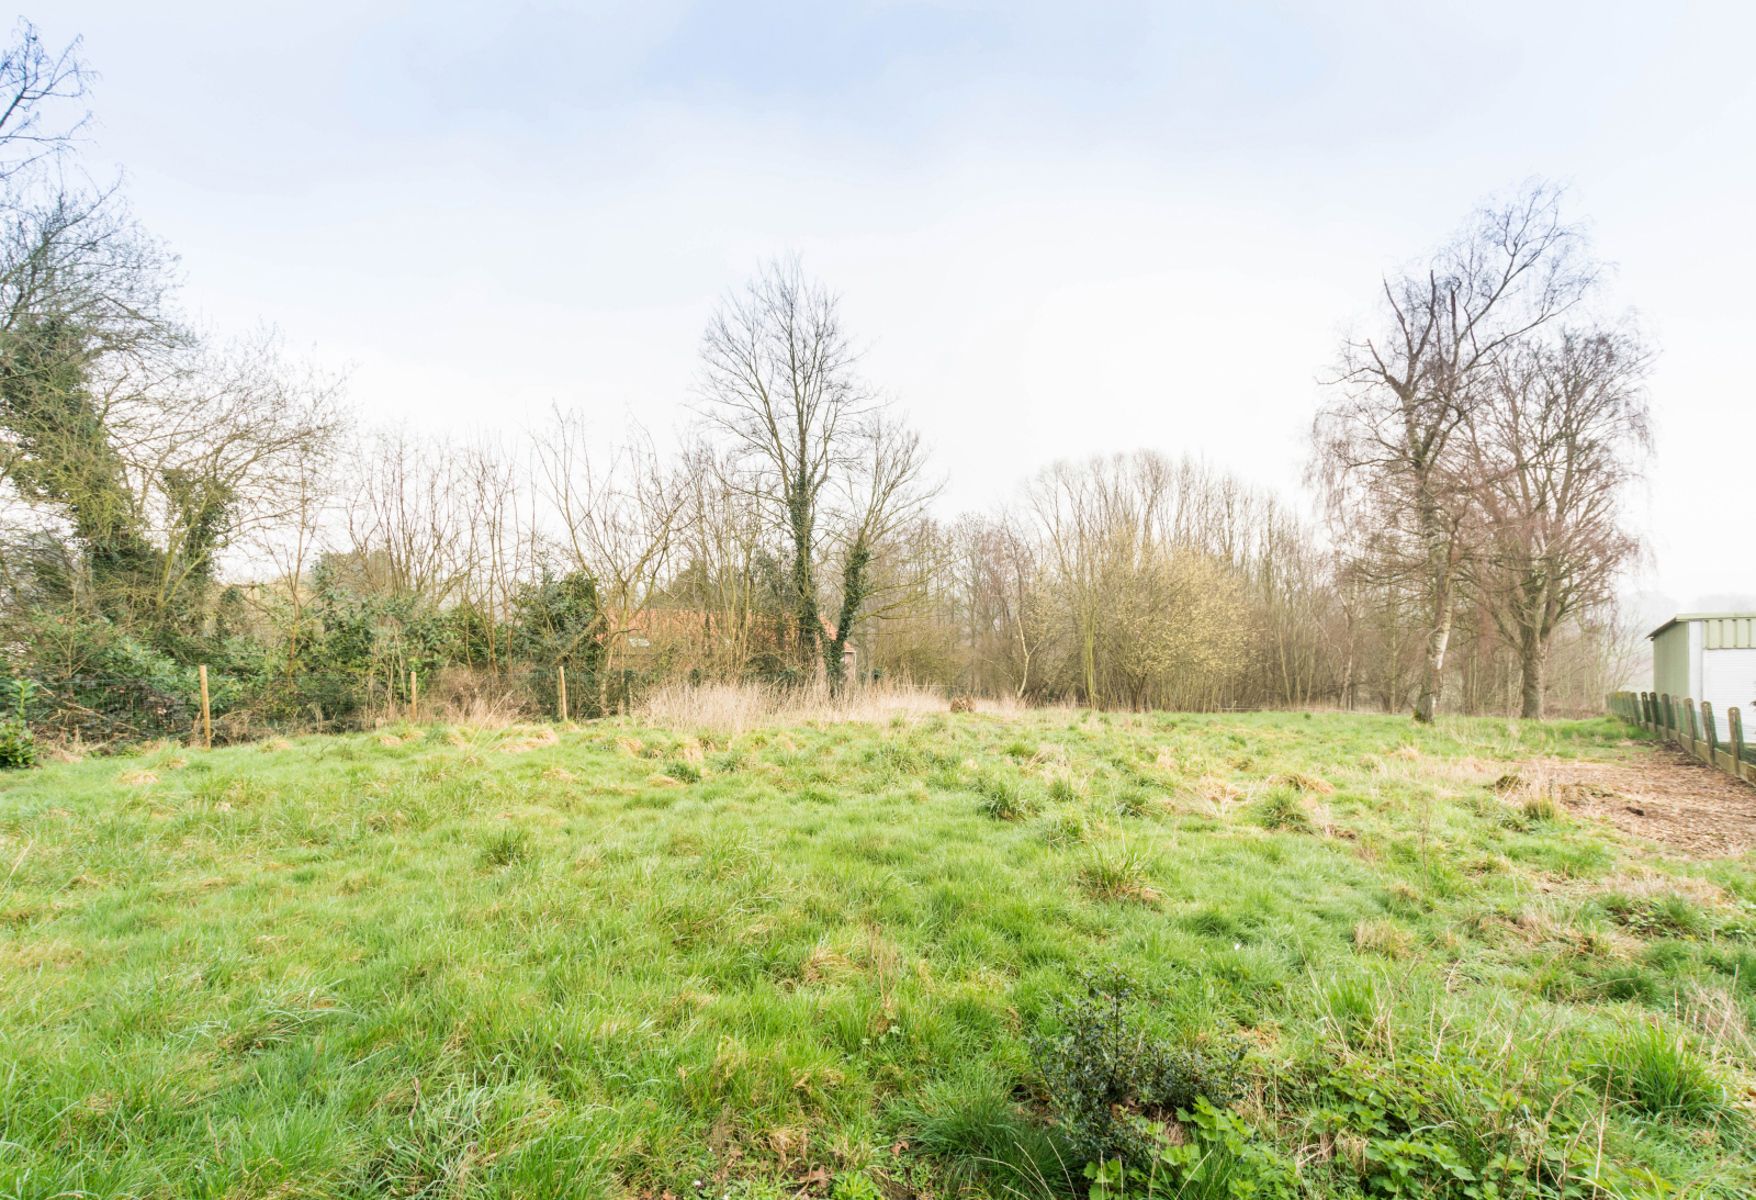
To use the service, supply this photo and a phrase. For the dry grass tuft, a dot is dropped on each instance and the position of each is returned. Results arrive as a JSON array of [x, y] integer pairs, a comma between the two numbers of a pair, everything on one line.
[[1308, 784], [473, 698], [1382, 937], [1219, 794], [535, 740], [137, 778]]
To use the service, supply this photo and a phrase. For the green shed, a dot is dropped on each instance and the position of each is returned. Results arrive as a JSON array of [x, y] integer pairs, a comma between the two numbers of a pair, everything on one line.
[[1708, 657]]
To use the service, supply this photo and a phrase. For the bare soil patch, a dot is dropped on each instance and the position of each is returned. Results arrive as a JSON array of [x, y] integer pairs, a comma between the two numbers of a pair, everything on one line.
[[1661, 794]]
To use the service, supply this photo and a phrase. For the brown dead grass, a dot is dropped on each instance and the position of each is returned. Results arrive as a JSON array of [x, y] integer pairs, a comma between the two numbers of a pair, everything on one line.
[[536, 739], [736, 708]]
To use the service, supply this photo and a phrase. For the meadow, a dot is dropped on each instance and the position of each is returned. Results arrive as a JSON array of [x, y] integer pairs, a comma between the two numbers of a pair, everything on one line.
[[934, 955]]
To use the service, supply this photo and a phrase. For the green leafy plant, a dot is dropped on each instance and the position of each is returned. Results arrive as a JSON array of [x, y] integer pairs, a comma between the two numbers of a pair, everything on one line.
[[1208, 1154], [18, 745], [1105, 1064]]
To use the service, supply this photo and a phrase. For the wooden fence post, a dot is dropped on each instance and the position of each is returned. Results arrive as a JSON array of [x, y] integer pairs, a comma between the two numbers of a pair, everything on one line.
[[206, 711], [1689, 718], [1736, 721], [561, 690], [414, 696], [1709, 733]]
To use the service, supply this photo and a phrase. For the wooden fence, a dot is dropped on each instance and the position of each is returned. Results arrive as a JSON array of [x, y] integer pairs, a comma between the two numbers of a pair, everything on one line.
[[1692, 728]]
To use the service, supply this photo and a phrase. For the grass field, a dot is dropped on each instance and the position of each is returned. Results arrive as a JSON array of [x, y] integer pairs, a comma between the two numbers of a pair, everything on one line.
[[841, 960]]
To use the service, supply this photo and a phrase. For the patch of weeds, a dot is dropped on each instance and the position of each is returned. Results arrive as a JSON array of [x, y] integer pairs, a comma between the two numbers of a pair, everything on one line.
[[1103, 1062], [1665, 914], [1658, 1072], [1207, 1153], [507, 848]]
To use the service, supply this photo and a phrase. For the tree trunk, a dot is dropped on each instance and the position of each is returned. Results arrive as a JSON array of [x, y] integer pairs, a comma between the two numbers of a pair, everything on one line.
[[853, 595], [1439, 583], [810, 632], [1533, 663], [1433, 666]]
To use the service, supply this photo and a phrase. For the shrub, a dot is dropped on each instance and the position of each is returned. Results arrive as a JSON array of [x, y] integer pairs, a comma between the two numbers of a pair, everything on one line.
[[18, 745], [1104, 1064]]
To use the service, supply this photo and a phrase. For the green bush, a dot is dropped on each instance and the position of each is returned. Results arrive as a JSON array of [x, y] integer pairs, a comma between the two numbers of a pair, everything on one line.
[[1104, 1063], [18, 745]]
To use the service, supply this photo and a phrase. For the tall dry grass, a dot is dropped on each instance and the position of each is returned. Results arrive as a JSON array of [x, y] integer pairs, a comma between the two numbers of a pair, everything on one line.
[[735, 707]]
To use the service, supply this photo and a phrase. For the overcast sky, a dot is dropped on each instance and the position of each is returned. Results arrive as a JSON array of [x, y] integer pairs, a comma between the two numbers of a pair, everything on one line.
[[1060, 228]]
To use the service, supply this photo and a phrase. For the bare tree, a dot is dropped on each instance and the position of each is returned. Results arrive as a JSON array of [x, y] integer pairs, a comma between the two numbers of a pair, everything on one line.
[[1389, 452], [1554, 450], [779, 382], [408, 520], [619, 516], [35, 81]]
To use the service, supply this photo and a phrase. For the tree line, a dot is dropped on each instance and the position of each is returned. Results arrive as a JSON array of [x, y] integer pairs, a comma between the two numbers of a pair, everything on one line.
[[171, 498]]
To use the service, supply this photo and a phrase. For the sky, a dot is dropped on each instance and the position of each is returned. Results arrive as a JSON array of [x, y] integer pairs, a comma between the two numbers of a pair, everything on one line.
[[1058, 229]]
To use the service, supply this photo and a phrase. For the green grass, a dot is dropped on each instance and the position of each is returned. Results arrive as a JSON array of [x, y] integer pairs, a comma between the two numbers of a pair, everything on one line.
[[814, 960]]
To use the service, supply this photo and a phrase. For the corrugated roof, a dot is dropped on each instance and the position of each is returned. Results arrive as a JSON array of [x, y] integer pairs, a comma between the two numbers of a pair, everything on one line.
[[1747, 618]]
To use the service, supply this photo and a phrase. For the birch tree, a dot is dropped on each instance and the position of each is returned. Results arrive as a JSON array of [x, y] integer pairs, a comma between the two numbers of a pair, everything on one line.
[[1391, 442]]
